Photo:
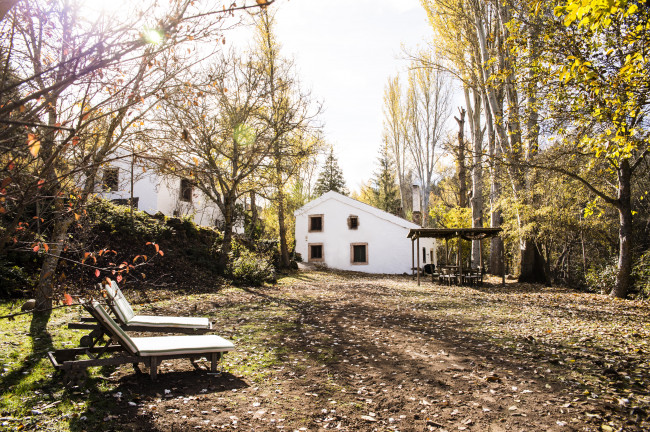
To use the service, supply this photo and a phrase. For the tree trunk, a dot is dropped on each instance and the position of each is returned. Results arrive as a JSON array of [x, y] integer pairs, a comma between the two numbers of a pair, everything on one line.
[[45, 289], [496, 243], [476, 202], [226, 246], [254, 215], [460, 160], [532, 264], [284, 249], [624, 205]]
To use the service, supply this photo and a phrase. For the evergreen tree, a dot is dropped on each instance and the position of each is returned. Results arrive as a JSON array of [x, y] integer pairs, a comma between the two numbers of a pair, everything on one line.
[[330, 177], [385, 193]]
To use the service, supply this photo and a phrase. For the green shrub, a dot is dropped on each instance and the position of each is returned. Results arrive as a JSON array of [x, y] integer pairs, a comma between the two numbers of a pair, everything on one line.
[[13, 280], [602, 279], [641, 274], [250, 268], [116, 219]]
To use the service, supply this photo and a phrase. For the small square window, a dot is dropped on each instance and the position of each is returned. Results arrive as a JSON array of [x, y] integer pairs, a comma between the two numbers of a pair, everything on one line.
[[315, 223], [111, 181], [359, 253], [186, 190], [353, 222], [316, 252]]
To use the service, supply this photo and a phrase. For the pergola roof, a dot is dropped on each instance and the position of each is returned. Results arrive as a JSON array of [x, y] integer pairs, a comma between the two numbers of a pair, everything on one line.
[[447, 233]]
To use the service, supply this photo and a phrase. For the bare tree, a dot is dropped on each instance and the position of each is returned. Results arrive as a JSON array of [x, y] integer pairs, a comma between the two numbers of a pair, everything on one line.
[[216, 135], [427, 111]]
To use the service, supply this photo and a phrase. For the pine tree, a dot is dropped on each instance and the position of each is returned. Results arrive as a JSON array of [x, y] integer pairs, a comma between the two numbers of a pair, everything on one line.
[[385, 193], [330, 177]]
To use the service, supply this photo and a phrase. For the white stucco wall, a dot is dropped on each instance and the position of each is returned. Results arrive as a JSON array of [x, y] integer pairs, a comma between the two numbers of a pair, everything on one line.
[[388, 251], [157, 193]]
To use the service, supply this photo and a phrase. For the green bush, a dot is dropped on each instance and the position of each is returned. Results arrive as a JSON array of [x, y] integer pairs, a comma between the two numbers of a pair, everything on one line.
[[13, 280], [116, 219], [641, 274], [602, 279], [250, 268]]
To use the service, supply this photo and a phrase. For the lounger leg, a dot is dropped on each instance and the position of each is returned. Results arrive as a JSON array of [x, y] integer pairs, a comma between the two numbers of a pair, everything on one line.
[[153, 368], [215, 358]]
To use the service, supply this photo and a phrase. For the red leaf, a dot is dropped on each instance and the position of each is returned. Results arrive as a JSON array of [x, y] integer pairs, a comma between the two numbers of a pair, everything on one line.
[[118, 278], [97, 273], [68, 299], [161, 253], [36, 248]]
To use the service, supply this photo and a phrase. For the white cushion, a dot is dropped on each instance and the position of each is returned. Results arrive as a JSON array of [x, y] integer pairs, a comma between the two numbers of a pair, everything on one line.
[[119, 303], [168, 321], [122, 338], [192, 344]]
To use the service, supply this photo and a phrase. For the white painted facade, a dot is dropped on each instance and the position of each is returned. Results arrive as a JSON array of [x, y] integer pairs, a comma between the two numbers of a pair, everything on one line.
[[387, 249], [157, 193]]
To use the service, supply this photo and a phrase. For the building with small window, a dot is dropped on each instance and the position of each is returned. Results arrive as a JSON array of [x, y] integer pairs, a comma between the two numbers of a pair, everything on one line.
[[346, 234], [125, 180]]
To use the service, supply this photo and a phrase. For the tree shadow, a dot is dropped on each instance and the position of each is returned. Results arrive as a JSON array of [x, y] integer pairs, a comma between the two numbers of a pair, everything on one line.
[[121, 407], [41, 344]]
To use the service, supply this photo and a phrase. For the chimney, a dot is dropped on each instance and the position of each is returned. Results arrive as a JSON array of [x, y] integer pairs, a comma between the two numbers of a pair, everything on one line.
[[417, 214]]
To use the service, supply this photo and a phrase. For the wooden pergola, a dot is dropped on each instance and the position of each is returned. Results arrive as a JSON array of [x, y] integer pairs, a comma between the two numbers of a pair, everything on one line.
[[447, 233]]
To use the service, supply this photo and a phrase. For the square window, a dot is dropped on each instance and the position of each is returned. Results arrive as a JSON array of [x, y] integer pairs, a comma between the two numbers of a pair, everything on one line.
[[315, 223], [353, 222], [186, 190], [111, 181], [315, 252], [359, 253]]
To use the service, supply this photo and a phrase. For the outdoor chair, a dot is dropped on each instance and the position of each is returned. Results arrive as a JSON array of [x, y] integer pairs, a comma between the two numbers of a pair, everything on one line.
[[449, 275], [147, 350], [130, 321]]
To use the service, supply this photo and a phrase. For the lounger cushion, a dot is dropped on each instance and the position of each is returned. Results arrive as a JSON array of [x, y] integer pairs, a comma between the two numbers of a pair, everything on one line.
[[122, 338], [120, 305], [170, 345], [168, 321]]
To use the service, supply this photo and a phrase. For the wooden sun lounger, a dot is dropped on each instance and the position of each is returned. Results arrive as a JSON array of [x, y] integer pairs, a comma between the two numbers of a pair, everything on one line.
[[128, 320], [147, 350]]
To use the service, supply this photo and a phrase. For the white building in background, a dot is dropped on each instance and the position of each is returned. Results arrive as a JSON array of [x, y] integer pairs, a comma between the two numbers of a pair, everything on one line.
[[346, 234], [155, 193]]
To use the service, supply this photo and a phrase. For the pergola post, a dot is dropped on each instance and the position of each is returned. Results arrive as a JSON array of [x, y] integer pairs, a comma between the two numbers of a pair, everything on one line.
[[503, 267], [447, 251], [418, 267], [459, 261], [412, 257]]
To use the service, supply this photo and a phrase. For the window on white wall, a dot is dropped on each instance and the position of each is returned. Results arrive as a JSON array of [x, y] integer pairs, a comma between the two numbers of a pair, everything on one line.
[[316, 252], [359, 253], [186, 190], [316, 223], [111, 180], [353, 222]]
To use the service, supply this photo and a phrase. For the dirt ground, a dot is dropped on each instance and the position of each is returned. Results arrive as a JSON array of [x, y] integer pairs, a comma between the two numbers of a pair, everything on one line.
[[324, 351]]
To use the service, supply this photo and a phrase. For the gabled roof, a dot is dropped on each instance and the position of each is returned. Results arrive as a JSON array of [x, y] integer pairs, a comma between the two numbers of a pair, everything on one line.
[[331, 195]]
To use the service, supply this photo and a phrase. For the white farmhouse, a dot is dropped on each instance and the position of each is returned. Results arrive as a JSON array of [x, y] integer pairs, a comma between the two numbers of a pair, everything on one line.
[[345, 234], [153, 193]]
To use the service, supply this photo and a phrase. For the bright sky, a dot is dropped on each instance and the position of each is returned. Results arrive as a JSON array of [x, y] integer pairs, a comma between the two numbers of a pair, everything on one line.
[[345, 50]]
